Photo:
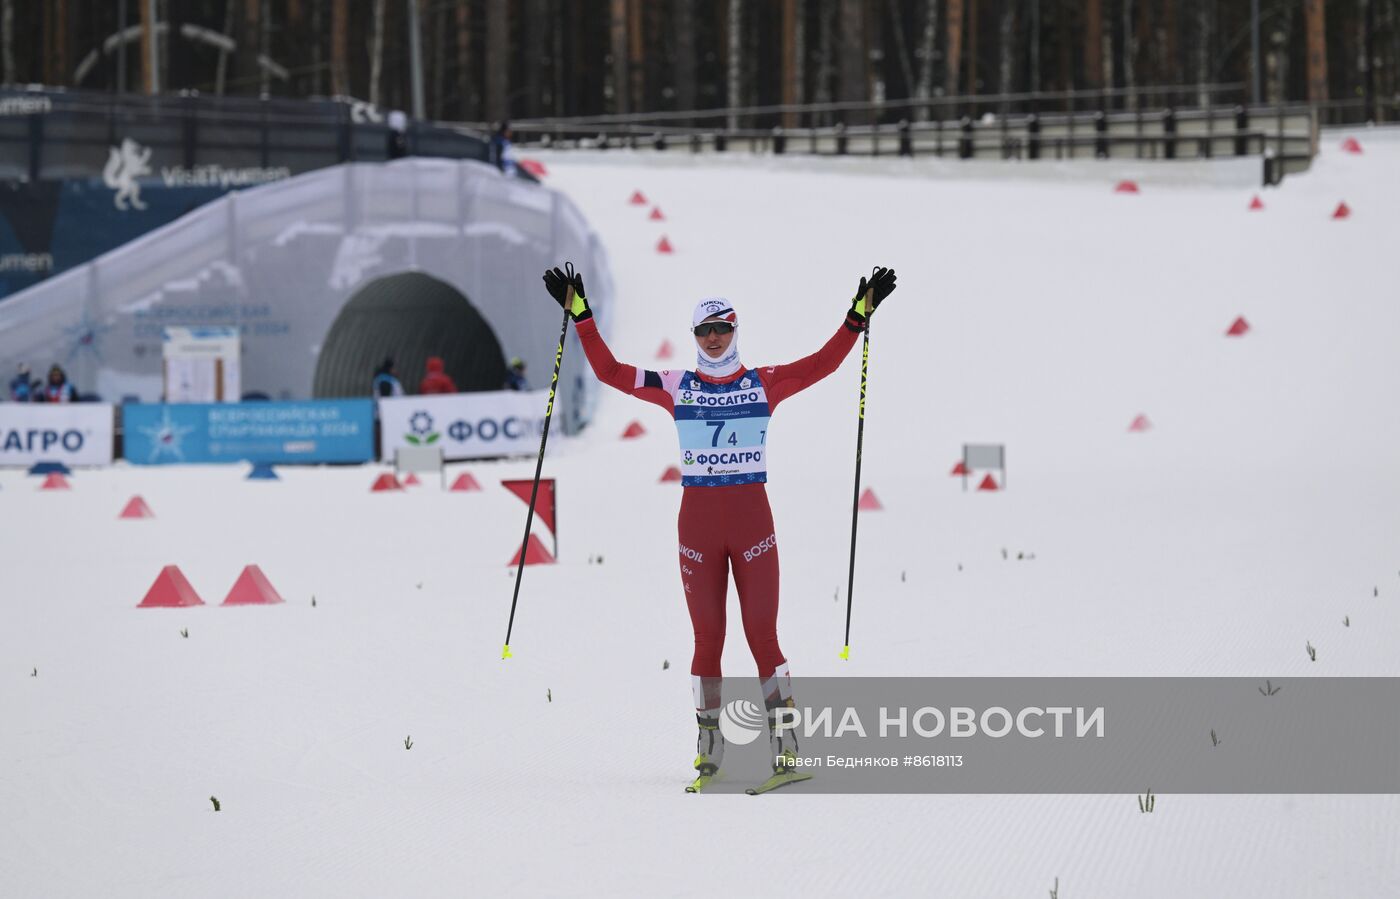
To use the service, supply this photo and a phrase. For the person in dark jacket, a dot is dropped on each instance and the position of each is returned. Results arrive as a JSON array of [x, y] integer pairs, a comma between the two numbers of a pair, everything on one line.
[[515, 378], [385, 381], [20, 390], [58, 390], [436, 380]]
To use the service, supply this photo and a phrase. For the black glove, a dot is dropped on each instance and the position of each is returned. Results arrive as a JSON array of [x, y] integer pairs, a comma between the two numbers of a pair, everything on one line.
[[880, 285], [558, 283]]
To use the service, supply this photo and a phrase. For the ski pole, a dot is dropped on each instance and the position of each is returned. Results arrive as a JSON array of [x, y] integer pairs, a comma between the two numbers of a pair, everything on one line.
[[860, 441], [539, 463]]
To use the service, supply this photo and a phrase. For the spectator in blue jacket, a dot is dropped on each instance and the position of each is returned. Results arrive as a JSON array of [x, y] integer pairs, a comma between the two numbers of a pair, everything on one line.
[[385, 382], [20, 390]]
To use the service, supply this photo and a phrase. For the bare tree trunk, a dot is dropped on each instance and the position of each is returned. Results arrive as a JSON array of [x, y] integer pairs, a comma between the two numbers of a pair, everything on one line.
[[617, 32], [1129, 50], [7, 40], [376, 52], [498, 60], [1204, 35], [927, 44], [1316, 12], [735, 60], [799, 40], [60, 42], [536, 61], [789, 61], [439, 27], [1064, 40], [972, 35], [317, 53], [1007, 33], [147, 35], [636, 56], [901, 47], [853, 54], [1276, 60], [826, 44], [1106, 57], [955, 32], [1093, 43], [340, 47], [684, 18], [466, 87]]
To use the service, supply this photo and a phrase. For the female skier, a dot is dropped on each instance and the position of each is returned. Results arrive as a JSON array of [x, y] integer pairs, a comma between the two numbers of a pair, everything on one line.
[[721, 409]]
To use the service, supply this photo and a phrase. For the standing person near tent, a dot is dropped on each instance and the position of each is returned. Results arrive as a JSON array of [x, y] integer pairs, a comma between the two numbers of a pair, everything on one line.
[[721, 409], [436, 380], [58, 389], [386, 382]]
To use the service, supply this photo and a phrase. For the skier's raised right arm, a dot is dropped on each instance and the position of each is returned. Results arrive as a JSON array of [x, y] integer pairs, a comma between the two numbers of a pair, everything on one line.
[[643, 384]]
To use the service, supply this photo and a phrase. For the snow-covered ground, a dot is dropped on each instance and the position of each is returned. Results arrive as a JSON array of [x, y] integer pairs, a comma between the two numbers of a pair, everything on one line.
[[1036, 308]]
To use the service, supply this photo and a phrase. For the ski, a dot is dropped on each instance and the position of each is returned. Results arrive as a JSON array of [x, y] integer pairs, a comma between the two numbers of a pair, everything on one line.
[[780, 779]]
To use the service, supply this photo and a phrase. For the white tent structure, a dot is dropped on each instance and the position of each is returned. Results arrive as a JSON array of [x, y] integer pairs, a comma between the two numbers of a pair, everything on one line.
[[282, 261]]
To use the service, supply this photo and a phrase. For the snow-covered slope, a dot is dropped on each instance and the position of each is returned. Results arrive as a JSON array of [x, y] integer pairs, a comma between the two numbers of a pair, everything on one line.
[[1041, 311]]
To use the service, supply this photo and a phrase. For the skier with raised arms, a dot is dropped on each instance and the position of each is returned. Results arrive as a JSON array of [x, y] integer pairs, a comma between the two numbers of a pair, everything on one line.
[[721, 409]]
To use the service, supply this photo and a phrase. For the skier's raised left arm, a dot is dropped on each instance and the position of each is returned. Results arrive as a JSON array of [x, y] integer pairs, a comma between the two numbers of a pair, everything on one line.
[[782, 381]]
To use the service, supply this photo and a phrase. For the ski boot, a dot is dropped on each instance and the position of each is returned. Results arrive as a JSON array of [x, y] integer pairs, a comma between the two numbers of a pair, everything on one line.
[[783, 745], [709, 746]]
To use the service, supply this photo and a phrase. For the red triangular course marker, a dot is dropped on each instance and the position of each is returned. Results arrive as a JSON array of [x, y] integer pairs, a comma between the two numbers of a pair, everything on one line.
[[465, 482], [671, 474], [411, 480], [386, 481], [664, 246], [665, 350], [637, 199], [1239, 328], [1140, 424], [1256, 203], [1342, 211], [635, 429], [960, 468], [252, 589], [1351, 145], [54, 481], [170, 591], [1126, 187], [869, 502], [656, 215], [534, 167], [136, 508], [535, 553], [988, 483]]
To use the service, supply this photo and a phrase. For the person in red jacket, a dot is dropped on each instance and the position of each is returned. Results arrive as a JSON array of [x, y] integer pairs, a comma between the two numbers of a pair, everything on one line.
[[436, 380], [722, 408]]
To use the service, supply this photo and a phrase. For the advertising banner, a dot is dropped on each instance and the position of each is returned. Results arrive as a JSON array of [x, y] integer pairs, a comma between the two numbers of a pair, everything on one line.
[[465, 425], [72, 433], [310, 431]]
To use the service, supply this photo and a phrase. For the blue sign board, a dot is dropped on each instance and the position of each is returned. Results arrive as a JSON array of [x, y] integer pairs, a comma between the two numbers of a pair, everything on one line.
[[311, 431]]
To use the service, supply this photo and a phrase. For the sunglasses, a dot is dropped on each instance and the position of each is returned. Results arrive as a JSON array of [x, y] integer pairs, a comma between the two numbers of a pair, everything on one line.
[[705, 329]]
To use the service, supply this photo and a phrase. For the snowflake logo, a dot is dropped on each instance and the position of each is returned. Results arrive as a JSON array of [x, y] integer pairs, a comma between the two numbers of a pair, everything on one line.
[[167, 438], [420, 425]]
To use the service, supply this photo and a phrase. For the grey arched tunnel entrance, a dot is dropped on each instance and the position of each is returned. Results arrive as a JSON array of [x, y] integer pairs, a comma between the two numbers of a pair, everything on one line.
[[408, 317]]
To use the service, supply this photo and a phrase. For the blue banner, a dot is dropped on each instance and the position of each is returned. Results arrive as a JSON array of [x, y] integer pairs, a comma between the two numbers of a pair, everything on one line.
[[311, 431]]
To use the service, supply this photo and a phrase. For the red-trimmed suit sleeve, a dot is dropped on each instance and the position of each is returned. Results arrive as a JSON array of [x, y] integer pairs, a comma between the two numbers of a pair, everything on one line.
[[782, 381], [644, 385]]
